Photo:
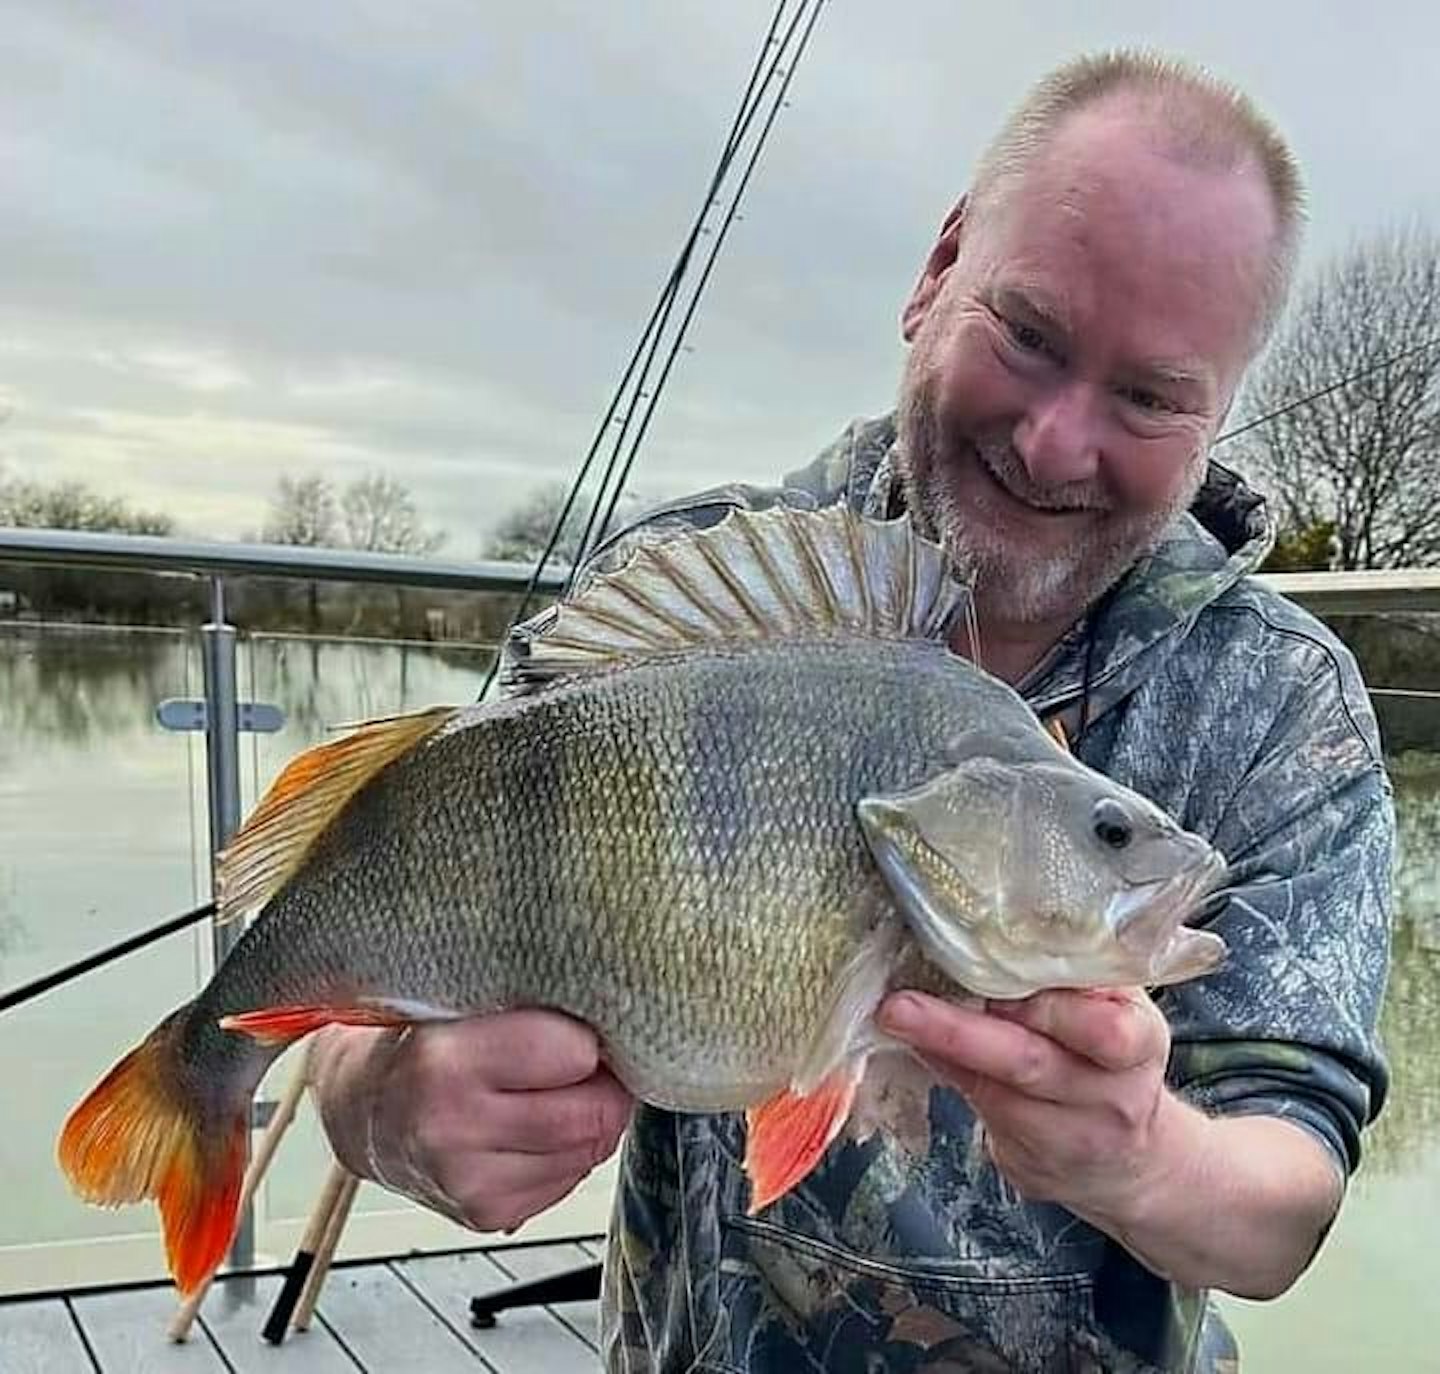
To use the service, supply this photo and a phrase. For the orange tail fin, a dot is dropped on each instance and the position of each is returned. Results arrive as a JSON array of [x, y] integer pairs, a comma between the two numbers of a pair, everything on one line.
[[138, 1136], [786, 1136]]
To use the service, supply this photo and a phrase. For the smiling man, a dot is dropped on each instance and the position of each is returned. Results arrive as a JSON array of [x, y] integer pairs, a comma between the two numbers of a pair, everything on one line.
[[1097, 1162]]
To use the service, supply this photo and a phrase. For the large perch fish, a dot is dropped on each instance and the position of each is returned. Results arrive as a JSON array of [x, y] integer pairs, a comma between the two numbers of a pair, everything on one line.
[[745, 789]]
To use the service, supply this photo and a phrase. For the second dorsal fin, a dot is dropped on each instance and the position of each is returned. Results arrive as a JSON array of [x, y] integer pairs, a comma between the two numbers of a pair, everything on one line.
[[310, 792], [757, 575]]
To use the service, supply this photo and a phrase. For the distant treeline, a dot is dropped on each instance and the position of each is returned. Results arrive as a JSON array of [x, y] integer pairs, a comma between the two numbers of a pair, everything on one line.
[[373, 513]]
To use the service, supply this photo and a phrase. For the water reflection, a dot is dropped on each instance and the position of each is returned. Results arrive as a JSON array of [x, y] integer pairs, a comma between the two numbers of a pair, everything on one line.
[[95, 693], [322, 684], [82, 686], [14, 934], [1410, 1022]]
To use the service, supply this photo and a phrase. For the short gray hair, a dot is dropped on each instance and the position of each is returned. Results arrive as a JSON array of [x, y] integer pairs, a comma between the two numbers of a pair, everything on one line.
[[1200, 120]]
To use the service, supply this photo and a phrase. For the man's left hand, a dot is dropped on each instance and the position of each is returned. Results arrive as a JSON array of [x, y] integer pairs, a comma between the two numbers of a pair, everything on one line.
[[1070, 1086]]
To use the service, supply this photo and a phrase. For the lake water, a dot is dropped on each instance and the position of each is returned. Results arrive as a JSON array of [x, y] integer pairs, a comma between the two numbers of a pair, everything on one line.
[[103, 832]]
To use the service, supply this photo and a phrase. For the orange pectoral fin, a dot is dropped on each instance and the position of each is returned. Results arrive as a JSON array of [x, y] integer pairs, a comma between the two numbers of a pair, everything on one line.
[[280, 1025], [786, 1136]]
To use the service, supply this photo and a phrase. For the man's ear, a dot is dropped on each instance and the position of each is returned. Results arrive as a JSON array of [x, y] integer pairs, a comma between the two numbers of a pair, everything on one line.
[[940, 261]]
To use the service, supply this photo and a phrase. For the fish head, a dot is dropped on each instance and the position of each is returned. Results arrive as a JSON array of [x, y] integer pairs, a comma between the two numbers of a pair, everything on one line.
[[1018, 876]]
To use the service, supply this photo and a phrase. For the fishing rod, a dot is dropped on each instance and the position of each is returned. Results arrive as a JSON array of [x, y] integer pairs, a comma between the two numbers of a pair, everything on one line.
[[762, 73], [724, 229], [16, 996], [748, 108]]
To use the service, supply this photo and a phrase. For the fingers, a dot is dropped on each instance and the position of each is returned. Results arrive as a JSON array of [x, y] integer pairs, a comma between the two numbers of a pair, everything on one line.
[[1116, 1028], [961, 1043], [515, 1187], [497, 1191], [1061, 1046], [591, 1114], [511, 1050], [507, 1212], [487, 1121]]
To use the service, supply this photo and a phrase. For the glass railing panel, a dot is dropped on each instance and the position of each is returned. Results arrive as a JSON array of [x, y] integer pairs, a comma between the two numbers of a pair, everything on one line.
[[102, 834], [1364, 1303]]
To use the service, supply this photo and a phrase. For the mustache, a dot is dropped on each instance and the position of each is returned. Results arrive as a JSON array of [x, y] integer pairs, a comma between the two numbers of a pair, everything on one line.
[[1006, 466]]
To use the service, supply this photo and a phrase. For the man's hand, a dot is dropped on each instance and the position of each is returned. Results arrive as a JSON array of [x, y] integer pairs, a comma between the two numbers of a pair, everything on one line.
[[488, 1120], [1070, 1087]]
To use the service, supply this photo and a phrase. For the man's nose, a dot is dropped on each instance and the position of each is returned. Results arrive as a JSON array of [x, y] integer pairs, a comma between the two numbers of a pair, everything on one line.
[[1058, 437]]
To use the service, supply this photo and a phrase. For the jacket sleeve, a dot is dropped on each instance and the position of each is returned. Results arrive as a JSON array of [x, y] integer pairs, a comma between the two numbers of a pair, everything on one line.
[[1288, 1026]]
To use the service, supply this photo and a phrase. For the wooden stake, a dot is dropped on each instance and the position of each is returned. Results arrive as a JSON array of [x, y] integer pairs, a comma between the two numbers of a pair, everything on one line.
[[320, 1269], [285, 1109], [299, 1271]]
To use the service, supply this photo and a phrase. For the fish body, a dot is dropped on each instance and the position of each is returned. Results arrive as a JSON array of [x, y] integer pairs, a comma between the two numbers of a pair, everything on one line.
[[668, 852], [751, 786]]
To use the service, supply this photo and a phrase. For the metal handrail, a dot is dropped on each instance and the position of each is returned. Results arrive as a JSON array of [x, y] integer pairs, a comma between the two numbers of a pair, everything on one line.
[[1365, 592], [1336, 593], [201, 558]]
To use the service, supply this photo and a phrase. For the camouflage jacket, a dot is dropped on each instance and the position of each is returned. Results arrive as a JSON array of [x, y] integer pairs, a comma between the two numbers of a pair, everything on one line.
[[1247, 720]]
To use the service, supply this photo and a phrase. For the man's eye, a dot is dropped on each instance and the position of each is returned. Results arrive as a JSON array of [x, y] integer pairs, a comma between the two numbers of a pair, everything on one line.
[[1141, 399], [1026, 336]]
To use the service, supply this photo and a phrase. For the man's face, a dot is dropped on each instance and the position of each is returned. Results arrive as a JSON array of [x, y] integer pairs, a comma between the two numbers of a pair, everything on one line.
[[1075, 344]]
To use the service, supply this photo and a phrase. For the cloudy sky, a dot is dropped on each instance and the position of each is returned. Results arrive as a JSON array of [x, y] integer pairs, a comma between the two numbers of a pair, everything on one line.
[[241, 240]]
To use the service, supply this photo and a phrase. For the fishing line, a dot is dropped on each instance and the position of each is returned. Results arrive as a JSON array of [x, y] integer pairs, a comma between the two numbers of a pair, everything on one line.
[[653, 396], [1327, 390], [658, 315]]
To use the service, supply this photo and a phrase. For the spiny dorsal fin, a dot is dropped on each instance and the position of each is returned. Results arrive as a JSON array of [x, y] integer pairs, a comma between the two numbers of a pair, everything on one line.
[[304, 799], [758, 575]]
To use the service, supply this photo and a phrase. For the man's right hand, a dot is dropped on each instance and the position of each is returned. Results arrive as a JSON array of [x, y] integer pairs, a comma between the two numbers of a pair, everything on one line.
[[488, 1120]]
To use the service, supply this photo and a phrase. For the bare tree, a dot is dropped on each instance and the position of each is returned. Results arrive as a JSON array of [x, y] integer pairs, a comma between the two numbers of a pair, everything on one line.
[[521, 534], [380, 515], [302, 511], [28, 504], [1353, 471]]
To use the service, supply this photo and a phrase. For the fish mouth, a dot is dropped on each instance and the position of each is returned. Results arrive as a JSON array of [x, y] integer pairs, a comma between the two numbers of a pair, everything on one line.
[[1146, 916]]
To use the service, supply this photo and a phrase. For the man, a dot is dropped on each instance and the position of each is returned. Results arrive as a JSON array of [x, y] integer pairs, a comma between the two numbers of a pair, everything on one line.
[[1077, 336]]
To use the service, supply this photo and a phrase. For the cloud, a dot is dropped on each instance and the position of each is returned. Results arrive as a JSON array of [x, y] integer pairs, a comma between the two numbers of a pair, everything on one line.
[[242, 241]]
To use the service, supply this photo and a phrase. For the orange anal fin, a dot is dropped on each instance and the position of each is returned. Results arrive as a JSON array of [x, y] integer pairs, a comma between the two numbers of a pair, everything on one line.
[[281, 1025], [786, 1136]]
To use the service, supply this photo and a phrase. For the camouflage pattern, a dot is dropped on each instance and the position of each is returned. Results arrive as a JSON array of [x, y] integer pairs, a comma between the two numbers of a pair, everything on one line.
[[880, 1262]]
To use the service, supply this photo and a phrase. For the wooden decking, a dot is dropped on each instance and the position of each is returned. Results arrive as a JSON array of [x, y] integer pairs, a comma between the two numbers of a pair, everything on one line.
[[407, 1314]]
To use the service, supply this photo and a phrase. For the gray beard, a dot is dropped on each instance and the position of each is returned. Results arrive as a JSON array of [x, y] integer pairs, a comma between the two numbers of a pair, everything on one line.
[[1010, 583]]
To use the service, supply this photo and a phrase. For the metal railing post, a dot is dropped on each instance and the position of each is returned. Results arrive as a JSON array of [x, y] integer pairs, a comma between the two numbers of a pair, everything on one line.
[[222, 766]]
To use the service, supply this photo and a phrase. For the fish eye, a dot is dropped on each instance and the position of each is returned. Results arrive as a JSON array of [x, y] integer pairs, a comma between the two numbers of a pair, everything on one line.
[[1111, 825]]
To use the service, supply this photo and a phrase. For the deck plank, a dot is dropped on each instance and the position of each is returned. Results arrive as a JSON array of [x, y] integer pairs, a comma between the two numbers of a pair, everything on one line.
[[233, 1316], [385, 1326], [126, 1331], [525, 1262], [526, 1341], [39, 1337]]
